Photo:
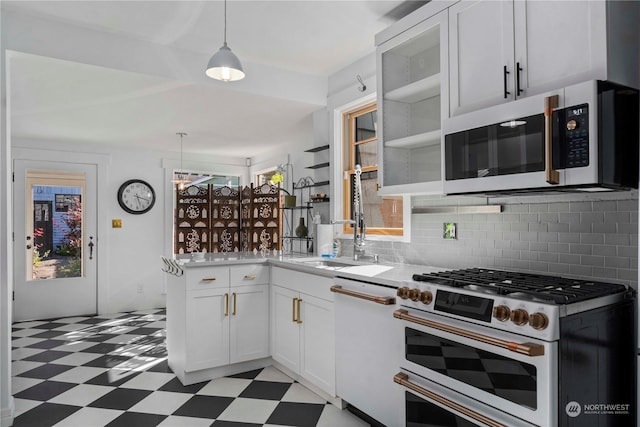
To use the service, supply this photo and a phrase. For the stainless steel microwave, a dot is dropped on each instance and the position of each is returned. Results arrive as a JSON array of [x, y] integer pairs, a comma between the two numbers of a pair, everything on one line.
[[582, 137]]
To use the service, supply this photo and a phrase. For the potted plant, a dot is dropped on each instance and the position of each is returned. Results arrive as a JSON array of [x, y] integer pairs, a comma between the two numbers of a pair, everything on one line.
[[277, 179]]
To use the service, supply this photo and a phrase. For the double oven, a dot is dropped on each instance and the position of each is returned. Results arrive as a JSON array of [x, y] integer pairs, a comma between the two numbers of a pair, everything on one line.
[[496, 348]]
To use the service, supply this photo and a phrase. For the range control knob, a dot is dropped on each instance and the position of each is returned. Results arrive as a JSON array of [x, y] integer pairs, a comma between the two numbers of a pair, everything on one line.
[[414, 294], [426, 297], [538, 321], [403, 292], [519, 316], [572, 124], [502, 313]]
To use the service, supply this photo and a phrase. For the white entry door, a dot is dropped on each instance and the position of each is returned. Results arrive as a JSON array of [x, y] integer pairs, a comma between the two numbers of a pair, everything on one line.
[[55, 241]]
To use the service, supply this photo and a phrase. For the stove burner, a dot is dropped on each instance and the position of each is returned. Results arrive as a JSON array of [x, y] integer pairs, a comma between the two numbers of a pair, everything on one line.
[[526, 286]]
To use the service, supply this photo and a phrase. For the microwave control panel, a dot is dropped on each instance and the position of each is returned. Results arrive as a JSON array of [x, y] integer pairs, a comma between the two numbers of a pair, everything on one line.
[[573, 129]]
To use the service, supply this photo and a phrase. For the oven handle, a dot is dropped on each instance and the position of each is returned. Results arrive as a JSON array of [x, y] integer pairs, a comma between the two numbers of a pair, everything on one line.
[[528, 349], [552, 176], [378, 300], [403, 379]]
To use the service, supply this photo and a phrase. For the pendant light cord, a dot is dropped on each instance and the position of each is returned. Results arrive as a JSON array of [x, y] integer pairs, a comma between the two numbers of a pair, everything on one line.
[[225, 22]]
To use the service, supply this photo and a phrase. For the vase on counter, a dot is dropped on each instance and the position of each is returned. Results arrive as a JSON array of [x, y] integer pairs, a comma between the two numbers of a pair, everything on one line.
[[301, 229]]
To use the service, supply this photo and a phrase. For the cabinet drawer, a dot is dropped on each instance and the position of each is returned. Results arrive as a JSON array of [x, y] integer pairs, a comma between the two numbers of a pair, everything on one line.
[[309, 284], [207, 277], [250, 274]]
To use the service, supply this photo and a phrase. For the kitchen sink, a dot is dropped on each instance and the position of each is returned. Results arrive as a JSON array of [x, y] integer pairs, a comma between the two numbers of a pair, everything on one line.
[[323, 263], [327, 263]]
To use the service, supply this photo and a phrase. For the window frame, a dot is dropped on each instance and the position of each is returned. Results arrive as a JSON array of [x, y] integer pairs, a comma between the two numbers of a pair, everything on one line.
[[348, 144]]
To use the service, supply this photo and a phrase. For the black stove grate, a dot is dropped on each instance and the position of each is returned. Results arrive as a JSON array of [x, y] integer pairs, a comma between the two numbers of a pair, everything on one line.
[[558, 290]]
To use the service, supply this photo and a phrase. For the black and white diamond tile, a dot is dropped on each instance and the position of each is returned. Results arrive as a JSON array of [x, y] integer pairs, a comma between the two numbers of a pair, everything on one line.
[[111, 370]]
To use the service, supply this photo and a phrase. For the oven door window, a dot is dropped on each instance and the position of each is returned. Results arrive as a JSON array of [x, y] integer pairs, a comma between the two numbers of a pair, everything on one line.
[[515, 146], [507, 378], [422, 413]]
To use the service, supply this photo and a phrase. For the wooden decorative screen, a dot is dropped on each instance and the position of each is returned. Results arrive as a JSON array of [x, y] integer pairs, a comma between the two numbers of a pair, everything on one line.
[[223, 219]]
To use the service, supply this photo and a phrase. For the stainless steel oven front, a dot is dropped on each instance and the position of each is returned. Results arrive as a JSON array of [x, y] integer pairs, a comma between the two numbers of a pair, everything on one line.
[[501, 378]]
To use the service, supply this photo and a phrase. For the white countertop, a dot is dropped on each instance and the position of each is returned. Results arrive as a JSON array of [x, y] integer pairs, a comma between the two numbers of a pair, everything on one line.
[[383, 273]]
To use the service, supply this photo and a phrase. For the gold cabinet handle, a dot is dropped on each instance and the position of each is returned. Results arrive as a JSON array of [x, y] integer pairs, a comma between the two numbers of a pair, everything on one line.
[[226, 304], [293, 309], [527, 348], [552, 176], [234, 304], [299, 320], [208, 279], [378, 300], [250, 277], [403, 379]]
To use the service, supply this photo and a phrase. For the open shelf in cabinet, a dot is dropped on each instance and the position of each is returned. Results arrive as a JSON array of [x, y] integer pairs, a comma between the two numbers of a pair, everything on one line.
[[417, 91], [420, 140]]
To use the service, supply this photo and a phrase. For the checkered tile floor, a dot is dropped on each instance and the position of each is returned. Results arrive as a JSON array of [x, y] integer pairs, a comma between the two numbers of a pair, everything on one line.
[[112, 371]]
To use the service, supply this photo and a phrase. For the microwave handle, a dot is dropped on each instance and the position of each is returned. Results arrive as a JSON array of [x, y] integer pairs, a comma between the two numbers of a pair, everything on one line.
[[552, 176]]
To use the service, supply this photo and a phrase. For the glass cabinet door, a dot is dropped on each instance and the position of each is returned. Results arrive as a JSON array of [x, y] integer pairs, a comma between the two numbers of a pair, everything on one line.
[[413, 69]]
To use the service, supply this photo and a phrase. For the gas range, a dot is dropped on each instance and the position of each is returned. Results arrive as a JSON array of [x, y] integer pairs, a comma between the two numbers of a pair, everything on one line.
[[523, 303]]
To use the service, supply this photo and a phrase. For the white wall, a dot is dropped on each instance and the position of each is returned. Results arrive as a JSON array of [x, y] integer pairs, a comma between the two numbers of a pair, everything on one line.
[[130, 256]]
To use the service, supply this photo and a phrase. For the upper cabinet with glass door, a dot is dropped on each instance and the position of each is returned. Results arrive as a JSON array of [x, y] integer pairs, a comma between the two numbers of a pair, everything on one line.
[[412, 100]]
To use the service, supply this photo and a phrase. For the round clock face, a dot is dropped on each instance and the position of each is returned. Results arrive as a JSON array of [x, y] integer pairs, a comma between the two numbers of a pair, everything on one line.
[[136, 196]]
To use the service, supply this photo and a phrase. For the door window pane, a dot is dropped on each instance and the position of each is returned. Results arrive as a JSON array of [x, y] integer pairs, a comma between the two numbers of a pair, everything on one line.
[[57, 232]]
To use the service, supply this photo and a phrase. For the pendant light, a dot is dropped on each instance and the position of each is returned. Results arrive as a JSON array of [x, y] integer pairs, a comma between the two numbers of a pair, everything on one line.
[[224, 65], [181, 178]]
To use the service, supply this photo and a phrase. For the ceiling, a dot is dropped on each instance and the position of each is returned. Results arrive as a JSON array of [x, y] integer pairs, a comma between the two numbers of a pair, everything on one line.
[[58, 100]]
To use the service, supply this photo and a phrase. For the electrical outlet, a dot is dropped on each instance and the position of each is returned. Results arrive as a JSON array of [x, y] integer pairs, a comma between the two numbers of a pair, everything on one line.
[[140, 288], [449, 231]]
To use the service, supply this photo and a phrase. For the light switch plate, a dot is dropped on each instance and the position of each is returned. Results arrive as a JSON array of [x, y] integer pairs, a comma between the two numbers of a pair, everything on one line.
[[116, 223]]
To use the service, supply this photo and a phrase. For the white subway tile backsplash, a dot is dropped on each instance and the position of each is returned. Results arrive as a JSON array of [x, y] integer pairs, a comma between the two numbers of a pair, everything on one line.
[[592, 238], [569, 237], [559, 207], [580, 206], [593, 261], [589, 238], [559, 248], [616, 262]]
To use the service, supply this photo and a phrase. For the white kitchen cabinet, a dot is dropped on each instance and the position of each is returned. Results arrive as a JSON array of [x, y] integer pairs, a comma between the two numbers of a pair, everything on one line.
[[503, 50], [412, 100], [207, 335], [302, 326], [217, 317]]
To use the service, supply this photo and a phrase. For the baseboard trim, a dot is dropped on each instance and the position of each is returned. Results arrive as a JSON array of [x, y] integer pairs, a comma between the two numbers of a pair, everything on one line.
[[6, 414]]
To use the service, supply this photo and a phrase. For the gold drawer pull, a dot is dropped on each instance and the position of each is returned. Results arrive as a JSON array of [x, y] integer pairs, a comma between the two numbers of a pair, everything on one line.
[[299, 320], [250, 277], [293, 309], [226, 304], [403, 379], [208, 279]]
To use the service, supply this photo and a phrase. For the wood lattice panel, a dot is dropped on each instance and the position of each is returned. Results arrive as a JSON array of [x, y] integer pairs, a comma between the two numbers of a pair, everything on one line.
[[261, 213], [192, 220], [223, 219]]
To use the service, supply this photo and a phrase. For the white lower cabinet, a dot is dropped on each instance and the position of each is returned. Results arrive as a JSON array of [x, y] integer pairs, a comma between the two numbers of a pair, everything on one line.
[[302, 326], [207, 334], [217, 317]]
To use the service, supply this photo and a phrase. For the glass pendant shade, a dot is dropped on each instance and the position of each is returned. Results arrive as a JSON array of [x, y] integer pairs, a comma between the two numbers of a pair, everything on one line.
[[224, 65]]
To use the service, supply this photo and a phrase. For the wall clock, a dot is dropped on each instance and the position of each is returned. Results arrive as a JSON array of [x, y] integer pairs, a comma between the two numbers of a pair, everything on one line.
[[136, 196]]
